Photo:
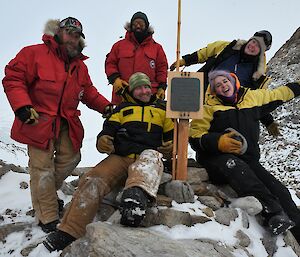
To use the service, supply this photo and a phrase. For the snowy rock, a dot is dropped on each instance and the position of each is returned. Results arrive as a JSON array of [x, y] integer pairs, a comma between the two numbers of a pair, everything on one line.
[[244, 240], [210, 201], [249, 204], [226, 215]]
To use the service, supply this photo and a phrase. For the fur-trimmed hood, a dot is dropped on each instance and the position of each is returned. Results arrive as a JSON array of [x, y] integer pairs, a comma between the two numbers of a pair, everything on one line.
[[261, 63], [128, 28], [51, 28]]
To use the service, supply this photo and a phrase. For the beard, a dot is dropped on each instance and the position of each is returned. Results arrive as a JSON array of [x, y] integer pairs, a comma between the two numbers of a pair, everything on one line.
[[71, 49]]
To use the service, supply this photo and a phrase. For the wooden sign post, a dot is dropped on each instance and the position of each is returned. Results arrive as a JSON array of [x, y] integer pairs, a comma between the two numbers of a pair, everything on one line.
[[185, 101]]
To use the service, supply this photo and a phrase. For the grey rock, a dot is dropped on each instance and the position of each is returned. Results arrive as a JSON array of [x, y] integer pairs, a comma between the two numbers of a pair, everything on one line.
[[245, 220], [210, 201], [249, 204], [196, 175], [179, 191], [107, 240], [291, 241], [243, 238], [269, 242], [7, 229], [225, 215], [67, 188]]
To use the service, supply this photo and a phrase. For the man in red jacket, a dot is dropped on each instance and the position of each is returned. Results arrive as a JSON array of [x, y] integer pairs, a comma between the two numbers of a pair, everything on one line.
[[44, 84], [138, 52]]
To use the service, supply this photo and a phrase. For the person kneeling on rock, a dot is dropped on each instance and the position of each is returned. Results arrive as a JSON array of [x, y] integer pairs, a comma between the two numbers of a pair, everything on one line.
[[226, 144], [136, 136]]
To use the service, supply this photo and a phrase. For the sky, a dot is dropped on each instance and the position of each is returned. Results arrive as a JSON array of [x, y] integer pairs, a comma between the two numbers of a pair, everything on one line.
[[202, 22], [18, 200]]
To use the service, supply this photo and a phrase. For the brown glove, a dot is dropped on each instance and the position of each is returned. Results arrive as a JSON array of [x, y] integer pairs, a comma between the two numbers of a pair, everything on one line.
[[227, 144], [273, 129], [160, 94], [166, 149], [105, 144], [181, 63], [119, 86]]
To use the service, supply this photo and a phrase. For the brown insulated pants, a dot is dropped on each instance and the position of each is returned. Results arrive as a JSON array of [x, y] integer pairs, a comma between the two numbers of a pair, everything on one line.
[[48, 169], [99, 181]]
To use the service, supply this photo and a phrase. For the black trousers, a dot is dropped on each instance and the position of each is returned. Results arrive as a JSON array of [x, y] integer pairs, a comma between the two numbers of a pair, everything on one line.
[[251, 179]]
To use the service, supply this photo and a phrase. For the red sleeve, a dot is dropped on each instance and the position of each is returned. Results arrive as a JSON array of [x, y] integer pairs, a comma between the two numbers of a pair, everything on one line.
[[161, 66], [91, 97], [19, 74], [111, 62]]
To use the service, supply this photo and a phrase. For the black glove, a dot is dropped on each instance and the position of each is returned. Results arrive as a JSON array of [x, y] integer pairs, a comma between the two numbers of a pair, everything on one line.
[[27, 114]]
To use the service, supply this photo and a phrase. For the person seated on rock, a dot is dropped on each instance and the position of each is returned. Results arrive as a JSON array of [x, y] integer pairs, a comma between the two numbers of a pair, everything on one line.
[[226, 144], [135, 136]]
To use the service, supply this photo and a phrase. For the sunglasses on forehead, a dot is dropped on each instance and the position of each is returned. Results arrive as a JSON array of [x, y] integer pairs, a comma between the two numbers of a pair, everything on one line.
[[71, 22]]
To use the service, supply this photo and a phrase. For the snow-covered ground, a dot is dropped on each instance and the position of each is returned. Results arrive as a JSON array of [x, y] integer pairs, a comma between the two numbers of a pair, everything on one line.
[[18, 201]]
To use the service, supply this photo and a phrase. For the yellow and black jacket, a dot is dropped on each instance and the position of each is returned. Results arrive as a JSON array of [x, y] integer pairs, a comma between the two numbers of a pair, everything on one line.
[[243, 117], [137, 126], [217, 52]]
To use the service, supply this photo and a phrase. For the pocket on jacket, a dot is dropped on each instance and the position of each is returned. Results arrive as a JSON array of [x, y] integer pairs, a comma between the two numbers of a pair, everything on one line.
[[39, 133]]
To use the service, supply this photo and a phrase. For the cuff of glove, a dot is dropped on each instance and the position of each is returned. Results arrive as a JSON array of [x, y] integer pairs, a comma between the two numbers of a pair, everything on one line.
[[190, 59], [113, 77], [163, 86]]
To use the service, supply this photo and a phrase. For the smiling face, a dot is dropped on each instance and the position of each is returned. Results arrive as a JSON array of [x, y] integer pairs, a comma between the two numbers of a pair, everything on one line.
[[138, 25], [223, 86], [252, 48], [142, 93]]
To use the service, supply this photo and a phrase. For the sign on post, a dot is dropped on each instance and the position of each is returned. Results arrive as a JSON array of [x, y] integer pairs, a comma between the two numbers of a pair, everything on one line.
[[185, 101], [185, 95]]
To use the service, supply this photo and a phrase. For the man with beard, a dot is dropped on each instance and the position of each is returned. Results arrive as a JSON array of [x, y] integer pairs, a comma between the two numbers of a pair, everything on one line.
[[138, 52], [245, 58], [44, 84]]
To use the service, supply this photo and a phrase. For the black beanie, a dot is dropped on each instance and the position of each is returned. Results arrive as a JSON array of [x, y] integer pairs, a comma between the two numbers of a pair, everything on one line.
[[142, 16]]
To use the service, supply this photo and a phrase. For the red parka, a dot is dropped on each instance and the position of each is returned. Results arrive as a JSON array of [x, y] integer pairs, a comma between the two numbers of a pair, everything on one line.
[[39, 76], [127, 56]]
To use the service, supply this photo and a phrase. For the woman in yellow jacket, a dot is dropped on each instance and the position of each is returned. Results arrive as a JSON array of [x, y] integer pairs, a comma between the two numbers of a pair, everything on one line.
[[226, 144]]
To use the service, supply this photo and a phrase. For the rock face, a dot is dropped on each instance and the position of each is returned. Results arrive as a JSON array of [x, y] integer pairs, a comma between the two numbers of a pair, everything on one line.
[[279, 155], [108, 240]]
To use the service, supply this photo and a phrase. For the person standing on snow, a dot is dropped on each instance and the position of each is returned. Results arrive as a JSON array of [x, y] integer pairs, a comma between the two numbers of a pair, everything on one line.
[[137, 52], [44, 84], [134, 136], [226, 144], [244, 58]]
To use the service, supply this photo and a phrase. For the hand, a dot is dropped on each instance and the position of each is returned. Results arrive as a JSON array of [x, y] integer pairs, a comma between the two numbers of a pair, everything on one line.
[[166, 149], [119, 86], [181, 63], [227, 144], [273, 129], [160, 94], [108, 110], [27, 114], [105, 144]]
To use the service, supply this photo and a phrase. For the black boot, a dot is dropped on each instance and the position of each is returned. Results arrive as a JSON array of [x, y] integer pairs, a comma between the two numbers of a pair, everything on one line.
[[280, 223], [60, 207], [58, 240], [49, 227], [133, 206]]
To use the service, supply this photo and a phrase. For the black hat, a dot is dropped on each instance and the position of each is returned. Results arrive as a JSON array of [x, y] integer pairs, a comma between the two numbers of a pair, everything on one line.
[[73, 23], [266, 36], [142, 16]]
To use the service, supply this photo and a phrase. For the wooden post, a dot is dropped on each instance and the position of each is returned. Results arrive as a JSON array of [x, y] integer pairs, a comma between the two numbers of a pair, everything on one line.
[[183, 137]]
